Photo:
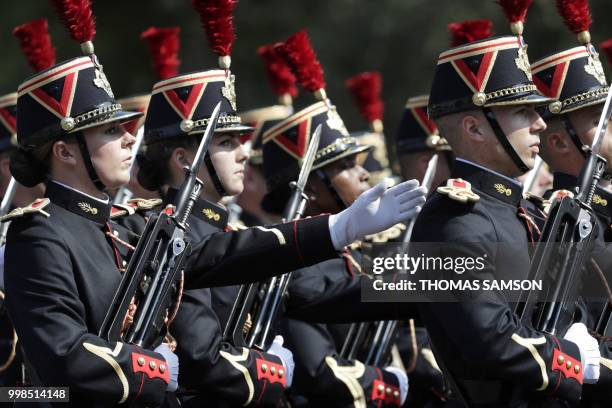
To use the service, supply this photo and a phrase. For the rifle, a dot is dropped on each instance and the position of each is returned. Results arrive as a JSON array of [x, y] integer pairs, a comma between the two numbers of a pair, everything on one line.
[[5, 206], [565, 246], [250, 321], [379, 336], [124, 194], [156, 265]]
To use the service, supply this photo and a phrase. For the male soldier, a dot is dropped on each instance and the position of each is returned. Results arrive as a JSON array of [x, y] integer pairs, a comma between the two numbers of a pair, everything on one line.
[[576, 80], [417, 141], [321, 293], [482, 100]]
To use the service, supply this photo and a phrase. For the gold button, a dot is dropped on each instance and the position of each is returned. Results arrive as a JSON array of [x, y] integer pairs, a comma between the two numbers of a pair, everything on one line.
[[264, 368], [162, 368], [396, 394], [272, 370], [152, 365], [381, 388], [388, 390], [568, 364], [560, 360], [116, 233], [281, 372], [576, 368], [141, 361]]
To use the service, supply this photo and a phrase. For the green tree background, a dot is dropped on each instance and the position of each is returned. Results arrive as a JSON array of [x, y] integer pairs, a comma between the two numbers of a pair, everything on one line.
[[399, 38]]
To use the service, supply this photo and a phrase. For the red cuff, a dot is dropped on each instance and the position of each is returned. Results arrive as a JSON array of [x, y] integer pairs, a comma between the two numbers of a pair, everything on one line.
[[273, 372], [567, 365], [152, 367], [387, 393]]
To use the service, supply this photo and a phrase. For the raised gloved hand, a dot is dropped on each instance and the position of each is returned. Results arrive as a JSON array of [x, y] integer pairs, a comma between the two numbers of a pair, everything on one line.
[[402, 380], [376, 210], [590, 355], [286, 357], [172, 362]]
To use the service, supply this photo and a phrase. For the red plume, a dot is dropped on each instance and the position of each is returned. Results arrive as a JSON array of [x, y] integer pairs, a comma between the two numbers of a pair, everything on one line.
[[78, 18], [366, 88], [515, 10], [278, 72], [469, 31], [217, 20], [606, 47], [576, 14], [36, 44], [164, 44], [302, 59]]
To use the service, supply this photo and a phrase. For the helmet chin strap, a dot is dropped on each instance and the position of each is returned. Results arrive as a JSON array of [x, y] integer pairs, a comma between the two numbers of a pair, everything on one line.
[[503, 140], [214, 176], [323, 176], [571, 131], [91, 171]]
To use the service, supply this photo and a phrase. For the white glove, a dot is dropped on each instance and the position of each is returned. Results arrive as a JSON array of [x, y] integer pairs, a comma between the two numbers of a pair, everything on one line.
[[286, 357], [376, 210], [590, 355], [172, 362], [402, 380]]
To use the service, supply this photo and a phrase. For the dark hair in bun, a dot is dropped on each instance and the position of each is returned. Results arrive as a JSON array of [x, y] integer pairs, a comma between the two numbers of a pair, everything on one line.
[[153, 170], [27, 168]]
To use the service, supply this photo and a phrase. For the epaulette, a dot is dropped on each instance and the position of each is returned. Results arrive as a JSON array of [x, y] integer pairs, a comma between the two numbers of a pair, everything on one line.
[[35, 207], [144, 204], [387, 235], [237, 225], [540, 202], [120, 210], [459, 190]]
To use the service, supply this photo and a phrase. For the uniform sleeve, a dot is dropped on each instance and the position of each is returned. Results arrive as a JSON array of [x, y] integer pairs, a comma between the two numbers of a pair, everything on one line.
[[328, 292], [43, 302], [257, 253], [328, 380], [214, 368], [500, 346]]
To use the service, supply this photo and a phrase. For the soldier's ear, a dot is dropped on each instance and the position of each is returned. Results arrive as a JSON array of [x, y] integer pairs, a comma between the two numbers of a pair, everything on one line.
[[558, 143], [472, 127], [179, 157], [65, 153]]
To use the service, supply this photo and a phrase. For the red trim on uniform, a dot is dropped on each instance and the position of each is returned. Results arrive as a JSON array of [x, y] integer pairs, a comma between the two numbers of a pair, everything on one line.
[[571, 54], [484, 47], [183, 80], [10, 120], [185, 107], [141, 386], [146, 368], [267, 374], [295, 240], [476, 79], [29, 85], [552, 90], [61, 107], [299, 147], [422, 115], [563, 368]]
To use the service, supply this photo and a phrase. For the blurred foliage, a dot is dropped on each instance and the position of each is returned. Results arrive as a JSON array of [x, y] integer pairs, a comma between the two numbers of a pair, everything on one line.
[[399, 38]]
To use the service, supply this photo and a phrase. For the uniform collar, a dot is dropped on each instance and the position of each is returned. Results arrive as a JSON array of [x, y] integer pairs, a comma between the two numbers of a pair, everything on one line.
[[79, 203], [204, 210], [489, 181], [602, 199]]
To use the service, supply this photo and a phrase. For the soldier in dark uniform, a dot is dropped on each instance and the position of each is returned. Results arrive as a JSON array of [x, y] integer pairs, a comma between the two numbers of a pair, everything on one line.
[[575, 79], [320, 293], [214, 370], [63, 255], [483, 102], [417, 140]]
